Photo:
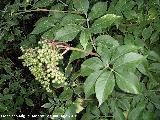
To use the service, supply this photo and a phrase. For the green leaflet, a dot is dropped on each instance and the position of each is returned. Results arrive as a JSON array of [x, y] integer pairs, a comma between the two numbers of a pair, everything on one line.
[[89, 84], [70, 113], [84, 38], [130, 59], [98, 10], [135, 113], [118, 114], [106, 40], [67, 33], [81, 5], [44, 24], [72, 19], [78, 54], [66, 94], [122, 50], [91, 64], [43, 3], [47, 105], [147, 32], [105, 43], [104, 22], [104, 86], [128, 82], [29, 102]]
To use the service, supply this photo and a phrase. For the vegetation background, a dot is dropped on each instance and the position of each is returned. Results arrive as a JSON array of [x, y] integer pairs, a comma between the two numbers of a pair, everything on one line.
[[111, 62]]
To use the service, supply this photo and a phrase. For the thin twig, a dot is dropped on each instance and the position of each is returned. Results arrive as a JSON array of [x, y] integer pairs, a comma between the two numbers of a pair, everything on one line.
[[46, 10]]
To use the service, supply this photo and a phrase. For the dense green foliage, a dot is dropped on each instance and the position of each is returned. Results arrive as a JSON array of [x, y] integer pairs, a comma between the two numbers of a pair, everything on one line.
[[80, 59]]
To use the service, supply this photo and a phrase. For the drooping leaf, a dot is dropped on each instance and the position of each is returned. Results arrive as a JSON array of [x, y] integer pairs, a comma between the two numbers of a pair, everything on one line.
[[67, 33], [81, 5], [89, 84], [104, 86], [128, 82], [98, 10], [104, 22], [84, 38]]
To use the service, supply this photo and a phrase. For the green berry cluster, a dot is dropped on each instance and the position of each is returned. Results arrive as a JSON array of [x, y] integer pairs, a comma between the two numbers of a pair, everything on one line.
[[42, 62]]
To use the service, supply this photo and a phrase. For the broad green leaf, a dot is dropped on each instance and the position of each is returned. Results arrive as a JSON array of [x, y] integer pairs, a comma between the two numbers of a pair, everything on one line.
[[118, 114], [104, 108], [154, 37], [124, 104], [155, 67], [2, 107], [130, 59], [94, 110], [135, 113], [98, 10], [67, 33], [104, 53], [79, 54], [104, 22], [72, 19], [104, 86], [89, 84], [55, 13], [78, 103], [122, 50], [81, 5], [128, 82], [88, 116], [120, 5], [44, 24], [94, 64], [49, 34], [129, 39], [147, 32], [8, 97], [43, 3], [66, 94], [58, 111], [156, 101], [153, 55], [104, 45], [47, 105], [84, 38], [70, 113], [106, 40], [29, 102]]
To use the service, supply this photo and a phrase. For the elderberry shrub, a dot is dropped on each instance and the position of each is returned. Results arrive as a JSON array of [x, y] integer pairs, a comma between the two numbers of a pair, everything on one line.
[[43, 64]]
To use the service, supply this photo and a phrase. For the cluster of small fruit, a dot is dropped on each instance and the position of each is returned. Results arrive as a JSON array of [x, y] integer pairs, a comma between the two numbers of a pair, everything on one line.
[[43, 64]]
